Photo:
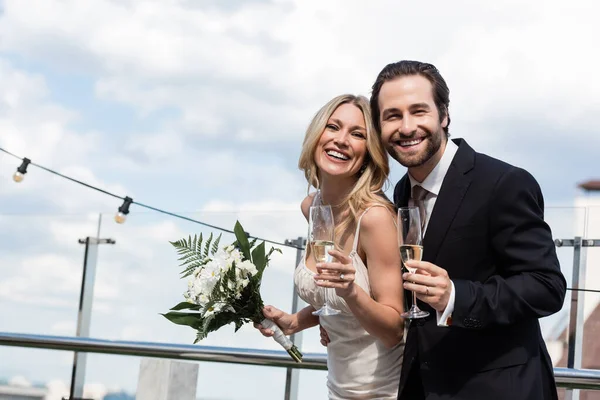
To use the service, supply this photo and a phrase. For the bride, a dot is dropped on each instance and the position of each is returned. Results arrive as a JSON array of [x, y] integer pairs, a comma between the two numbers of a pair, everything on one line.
[[344, 159]]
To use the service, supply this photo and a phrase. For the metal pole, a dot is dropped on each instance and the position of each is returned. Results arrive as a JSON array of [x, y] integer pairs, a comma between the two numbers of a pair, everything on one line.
[[575, 332], [576, 311], [292, 377], [86, 298]]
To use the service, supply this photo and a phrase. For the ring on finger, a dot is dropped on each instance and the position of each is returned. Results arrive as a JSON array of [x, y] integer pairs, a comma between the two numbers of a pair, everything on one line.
[[342, 277], [427, 290]]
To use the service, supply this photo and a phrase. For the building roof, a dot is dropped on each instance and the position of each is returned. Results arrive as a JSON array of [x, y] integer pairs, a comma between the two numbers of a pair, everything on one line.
[[590, 186]]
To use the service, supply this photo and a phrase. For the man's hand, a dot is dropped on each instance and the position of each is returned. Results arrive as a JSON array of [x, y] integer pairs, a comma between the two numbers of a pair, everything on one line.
[[431, 284]]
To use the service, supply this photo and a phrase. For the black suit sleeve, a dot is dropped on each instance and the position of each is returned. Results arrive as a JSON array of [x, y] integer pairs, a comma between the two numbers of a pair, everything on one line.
[[528, 283]]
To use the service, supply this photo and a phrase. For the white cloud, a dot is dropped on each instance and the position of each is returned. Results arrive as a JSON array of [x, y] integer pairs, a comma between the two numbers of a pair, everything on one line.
[[159, 146], [266, 206], [34, 127], [47, 276], [259, 63], [64, 328], [25, 107]]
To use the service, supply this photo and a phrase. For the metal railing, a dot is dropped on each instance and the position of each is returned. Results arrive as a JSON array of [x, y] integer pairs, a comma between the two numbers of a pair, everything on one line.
[[272, 358], [565, 377]]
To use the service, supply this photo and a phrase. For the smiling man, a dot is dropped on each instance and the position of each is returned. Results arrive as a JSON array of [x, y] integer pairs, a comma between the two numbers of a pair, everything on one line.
[[489, 268]]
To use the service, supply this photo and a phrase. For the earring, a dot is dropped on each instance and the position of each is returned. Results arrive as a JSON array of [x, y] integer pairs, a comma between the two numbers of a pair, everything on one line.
[[363, 168]]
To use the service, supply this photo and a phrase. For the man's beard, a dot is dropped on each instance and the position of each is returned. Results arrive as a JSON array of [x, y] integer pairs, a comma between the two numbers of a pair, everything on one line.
[[433, 142]]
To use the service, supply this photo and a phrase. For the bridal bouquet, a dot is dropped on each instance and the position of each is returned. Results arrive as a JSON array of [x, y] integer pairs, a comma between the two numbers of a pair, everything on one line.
[[224, 286]]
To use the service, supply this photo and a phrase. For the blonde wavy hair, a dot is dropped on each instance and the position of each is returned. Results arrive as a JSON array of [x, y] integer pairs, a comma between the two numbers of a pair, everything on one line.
[[370, 180]]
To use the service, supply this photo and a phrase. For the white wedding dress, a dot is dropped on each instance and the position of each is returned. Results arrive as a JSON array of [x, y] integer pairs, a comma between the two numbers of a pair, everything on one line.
[[359, 365]]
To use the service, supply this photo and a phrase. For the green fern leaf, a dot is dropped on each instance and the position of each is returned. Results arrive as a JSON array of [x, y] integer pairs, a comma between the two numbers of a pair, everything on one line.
[[178, 244], [199, 247], [203, 331], [207, 246], [215, 246], [187, 255]]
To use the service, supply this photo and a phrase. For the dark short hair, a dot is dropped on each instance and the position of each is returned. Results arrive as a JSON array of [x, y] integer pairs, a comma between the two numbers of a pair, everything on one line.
[[441, 93]]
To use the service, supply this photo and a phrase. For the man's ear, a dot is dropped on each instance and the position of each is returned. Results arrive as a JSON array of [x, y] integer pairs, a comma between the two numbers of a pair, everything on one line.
[[445, 120]]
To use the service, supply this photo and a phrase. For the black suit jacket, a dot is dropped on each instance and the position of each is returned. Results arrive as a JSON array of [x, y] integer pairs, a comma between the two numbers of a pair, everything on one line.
[[487, 231]]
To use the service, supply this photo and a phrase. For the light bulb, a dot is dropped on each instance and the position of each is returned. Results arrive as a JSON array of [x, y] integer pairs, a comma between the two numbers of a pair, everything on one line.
[[121, 215], [22, 170], [120, 218], [18, 177]]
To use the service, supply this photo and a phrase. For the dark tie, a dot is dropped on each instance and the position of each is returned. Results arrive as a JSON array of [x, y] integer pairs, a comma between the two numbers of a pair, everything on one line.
[[418, 196]]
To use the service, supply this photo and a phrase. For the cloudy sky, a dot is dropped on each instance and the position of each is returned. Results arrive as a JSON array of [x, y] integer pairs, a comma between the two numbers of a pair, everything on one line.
[[200, 107]]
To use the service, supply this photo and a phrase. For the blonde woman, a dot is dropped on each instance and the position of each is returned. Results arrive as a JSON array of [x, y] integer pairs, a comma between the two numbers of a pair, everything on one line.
[[344, 159]]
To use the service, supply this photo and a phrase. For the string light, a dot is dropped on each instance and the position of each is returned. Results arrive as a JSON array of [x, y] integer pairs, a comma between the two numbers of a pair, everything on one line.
[[123, 210], [121, 216], [19, 175]]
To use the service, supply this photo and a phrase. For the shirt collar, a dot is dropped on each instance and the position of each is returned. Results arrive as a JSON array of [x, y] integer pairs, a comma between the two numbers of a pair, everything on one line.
[[433, 182]]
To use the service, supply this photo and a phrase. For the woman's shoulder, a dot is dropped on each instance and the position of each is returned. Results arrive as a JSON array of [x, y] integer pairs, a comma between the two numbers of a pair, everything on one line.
[[377, 214], [306, 203]]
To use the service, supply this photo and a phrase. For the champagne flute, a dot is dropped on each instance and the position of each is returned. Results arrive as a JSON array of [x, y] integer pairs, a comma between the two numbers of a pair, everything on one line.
[[411, 248], [321, 236]]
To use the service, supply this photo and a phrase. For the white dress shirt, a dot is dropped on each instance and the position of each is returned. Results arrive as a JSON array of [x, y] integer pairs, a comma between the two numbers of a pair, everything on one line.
[[433, 184]]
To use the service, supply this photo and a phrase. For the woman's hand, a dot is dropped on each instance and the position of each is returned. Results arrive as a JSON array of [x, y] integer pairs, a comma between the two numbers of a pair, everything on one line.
[[339, 275], [287, 322]]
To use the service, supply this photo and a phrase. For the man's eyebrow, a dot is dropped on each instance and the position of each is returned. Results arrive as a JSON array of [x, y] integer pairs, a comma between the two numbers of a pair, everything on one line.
[[390, 110], [420, 105]]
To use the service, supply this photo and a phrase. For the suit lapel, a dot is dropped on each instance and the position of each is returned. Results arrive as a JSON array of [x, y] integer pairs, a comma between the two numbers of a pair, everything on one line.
[[455, 185], [402, 192]]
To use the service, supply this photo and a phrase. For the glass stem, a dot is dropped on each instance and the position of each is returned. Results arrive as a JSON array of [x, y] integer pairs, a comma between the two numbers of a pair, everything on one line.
[[414, 300], [331, 291]]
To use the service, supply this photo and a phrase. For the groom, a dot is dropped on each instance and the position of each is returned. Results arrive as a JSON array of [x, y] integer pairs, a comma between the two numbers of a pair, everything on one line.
[[489, 268]]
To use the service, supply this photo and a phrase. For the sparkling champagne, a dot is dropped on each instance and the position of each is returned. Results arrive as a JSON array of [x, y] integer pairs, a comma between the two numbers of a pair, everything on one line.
[[411, 252], [321, 249]]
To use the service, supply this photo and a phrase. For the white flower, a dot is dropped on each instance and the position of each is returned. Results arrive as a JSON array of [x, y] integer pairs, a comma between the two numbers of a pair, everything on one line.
[[248, 267], [192, 292], [221, 258], [209, 277], [223, 307], [202, 299], [209, 311], [236, 255], [217, 308], [226, 257]]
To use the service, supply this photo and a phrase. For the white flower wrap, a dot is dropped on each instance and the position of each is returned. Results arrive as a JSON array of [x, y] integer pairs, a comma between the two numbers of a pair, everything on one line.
[[277, 334]]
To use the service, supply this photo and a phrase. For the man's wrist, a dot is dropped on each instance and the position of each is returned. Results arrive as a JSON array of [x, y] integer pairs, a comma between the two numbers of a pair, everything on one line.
[[444, 318]]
